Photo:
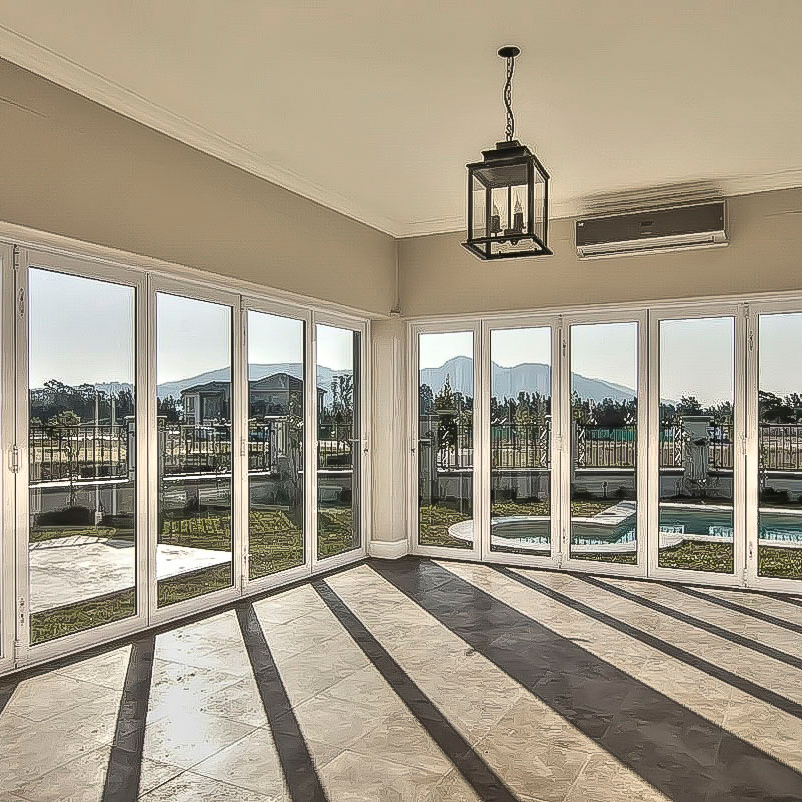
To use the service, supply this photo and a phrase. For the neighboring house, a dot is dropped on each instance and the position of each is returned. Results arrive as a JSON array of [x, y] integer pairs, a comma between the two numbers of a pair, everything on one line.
[[270, 395]]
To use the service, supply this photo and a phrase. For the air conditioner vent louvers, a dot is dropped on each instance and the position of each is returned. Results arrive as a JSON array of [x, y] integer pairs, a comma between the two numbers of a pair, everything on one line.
[[667, 229]]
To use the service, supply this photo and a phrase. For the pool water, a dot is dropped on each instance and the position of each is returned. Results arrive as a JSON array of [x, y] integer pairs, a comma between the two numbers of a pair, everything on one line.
[[680, 519]]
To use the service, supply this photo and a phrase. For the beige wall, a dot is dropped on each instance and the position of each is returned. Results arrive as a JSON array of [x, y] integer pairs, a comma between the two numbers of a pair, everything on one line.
[[765, 254], [72, 167], [389, 434]]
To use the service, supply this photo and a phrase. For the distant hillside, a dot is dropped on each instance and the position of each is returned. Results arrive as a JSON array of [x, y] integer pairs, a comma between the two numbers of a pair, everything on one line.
[[508, 382]]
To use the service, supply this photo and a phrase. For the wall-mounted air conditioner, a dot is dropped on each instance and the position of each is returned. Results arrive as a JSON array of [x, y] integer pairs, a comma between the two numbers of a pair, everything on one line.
[[698, 225]]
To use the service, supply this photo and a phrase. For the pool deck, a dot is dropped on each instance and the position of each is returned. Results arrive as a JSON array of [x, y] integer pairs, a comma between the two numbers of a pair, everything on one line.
[[67, 570]]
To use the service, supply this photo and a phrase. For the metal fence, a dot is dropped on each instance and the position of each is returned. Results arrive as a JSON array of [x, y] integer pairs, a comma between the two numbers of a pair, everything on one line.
[[79, 452], [780, 447], [527, 446]]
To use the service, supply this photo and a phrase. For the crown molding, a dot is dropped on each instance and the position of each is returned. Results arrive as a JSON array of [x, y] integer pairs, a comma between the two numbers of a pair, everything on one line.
[[59, 69], [30, 55]]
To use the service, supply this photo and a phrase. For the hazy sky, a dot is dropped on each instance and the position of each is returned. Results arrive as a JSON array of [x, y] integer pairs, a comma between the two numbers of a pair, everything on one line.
[[273, 339], [82, 330], [696, 354]]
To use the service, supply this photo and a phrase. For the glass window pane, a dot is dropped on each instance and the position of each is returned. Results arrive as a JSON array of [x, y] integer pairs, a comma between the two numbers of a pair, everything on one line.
[[780, 446], [339, 438], [520, 441], [696, 444], [275, 443], [194, 403], [82, 454], [445, 439], [604, 442]]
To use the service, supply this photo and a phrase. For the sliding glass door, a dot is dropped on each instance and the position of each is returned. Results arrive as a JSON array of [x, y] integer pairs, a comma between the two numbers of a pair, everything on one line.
[[605, 440], [276, 414], [81, 527], [340, 439], [193, 539], [522, 424], [445, 440], [775, 468], [697, 445]]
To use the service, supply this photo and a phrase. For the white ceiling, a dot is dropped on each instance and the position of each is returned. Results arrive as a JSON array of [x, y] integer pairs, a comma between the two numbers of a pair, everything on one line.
[[373, 107]]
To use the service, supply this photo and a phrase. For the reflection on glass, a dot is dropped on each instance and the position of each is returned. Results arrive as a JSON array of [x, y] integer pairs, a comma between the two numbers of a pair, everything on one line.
[[520, 438], [696, 444], [780, 446], [275, 443], [604, 442], [445, 439], [82, 455], [193, 375], [338, 432]]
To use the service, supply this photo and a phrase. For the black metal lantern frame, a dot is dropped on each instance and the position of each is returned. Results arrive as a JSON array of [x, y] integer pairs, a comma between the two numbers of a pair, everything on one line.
[[508, 195]]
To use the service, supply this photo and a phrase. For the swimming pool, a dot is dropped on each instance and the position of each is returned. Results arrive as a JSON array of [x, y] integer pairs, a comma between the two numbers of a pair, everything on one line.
[[677, 522]]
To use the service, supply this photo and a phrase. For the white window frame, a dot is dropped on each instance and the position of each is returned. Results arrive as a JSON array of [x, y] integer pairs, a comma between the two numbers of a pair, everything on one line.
[[738, 312], [156, 285], [554, 323], [8, 311], [475, 328], [755, 311], [588, 319], [296, 573], [362, 328], [26, 653]]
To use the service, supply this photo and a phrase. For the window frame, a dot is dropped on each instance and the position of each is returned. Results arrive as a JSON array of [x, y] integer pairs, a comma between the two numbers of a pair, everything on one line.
[[27, 653]]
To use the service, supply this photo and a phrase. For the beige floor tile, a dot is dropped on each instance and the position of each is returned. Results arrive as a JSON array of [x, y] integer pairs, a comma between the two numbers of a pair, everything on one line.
[[108, 670], [30, 751], [769, 729], [529, 763], [177, 689], [83, 779], [330, 720], [401, 738], [369, 688], [312, 671], [41, 697], [190, 738], [252, 762], [352, 778], [604, 779], [288, 605], [310, 631], [190, 787], [238, 702]]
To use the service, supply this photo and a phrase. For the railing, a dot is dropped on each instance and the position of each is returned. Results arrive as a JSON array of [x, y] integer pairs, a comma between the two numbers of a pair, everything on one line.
[[522, 446], [603, 447], [59, 453], [780, 447], [335, 445]]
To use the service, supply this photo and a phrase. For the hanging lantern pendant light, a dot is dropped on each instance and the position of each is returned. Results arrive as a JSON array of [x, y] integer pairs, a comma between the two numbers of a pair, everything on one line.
[[508, 193]]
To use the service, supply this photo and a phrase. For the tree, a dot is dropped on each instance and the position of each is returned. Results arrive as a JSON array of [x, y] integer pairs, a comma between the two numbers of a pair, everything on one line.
[[64, 429]]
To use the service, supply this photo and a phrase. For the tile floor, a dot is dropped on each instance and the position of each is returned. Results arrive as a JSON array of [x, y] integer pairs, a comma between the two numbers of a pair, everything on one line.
[[422, 680]]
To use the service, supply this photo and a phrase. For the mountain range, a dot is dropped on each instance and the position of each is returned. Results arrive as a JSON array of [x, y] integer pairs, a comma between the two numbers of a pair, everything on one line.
[[507, 382]]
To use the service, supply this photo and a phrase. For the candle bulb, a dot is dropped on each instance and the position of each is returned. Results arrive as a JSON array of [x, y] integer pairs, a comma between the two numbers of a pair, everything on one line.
[[518, 219], [495, 221]]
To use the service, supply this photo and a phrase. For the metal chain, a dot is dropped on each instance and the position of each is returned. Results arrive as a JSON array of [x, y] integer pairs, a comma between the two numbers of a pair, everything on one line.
[[508, 98]]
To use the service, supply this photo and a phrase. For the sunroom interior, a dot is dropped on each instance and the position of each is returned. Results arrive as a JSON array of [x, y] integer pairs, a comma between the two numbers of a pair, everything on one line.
[[304, 500]]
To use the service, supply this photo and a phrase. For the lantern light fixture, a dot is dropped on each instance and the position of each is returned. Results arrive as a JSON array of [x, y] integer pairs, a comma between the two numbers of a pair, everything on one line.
[[508, 193]]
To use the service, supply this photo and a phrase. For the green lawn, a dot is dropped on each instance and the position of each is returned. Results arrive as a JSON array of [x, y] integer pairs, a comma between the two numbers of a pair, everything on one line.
[[275, 545], [435, 520]]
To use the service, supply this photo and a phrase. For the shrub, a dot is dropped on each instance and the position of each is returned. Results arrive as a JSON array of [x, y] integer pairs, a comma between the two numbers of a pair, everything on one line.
[[67, 516]]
